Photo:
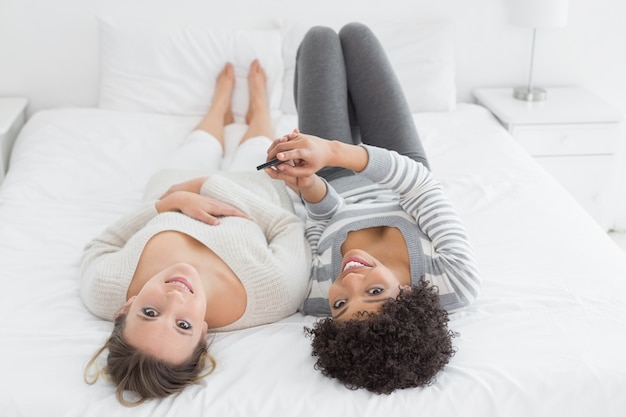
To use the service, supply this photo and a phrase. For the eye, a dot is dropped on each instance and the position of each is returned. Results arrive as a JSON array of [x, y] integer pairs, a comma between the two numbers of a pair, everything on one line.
[[183, 324], [150, 312], [375, 291], [339, 303]]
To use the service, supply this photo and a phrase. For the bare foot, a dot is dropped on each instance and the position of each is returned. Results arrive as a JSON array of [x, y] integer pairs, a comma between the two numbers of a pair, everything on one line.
[[224, 86], [258, 115], [258, 90], [220, 113]]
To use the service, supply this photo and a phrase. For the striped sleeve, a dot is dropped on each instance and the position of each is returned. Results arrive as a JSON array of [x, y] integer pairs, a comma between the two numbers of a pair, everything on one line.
[[319, 214], [453, 267]]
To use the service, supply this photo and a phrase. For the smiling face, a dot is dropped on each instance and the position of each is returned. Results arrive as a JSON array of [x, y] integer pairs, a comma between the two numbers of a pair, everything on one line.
[[363, 285], [166, 318]]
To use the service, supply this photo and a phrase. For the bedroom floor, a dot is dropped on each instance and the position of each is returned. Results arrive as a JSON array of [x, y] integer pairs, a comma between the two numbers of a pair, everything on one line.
[[619, 238]]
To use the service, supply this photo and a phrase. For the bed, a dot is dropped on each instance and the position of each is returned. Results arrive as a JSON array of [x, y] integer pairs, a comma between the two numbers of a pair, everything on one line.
[[544, 338]]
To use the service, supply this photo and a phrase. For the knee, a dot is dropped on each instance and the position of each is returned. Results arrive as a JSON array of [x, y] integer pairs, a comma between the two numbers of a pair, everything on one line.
[[354, 30], [319, 33], [319, 41]]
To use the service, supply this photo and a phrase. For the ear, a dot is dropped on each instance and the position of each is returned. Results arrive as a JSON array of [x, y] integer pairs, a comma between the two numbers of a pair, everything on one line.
[[125, 307]]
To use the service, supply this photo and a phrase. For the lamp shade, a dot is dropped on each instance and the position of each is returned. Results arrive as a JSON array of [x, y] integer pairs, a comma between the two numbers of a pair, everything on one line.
[[539, 13]]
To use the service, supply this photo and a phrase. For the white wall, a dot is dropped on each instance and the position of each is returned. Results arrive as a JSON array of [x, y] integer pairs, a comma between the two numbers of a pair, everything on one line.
[[49, 48]]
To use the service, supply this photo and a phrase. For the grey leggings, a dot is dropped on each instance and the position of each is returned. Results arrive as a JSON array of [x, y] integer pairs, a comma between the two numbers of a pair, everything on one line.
[[345, 89]]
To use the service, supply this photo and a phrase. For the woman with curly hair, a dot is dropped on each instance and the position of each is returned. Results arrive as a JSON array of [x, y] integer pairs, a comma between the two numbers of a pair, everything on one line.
[[391, 257]]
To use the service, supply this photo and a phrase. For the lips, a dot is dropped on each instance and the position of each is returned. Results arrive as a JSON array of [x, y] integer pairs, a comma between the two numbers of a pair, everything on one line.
[[181, 283], [354, 263]]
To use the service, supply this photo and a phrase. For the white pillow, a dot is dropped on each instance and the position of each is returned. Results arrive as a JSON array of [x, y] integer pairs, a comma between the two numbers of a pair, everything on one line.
[[171, 68], [422, 55]]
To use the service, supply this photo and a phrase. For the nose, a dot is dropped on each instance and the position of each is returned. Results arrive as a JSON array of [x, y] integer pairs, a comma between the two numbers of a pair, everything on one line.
[[174, 296], [352, 281]]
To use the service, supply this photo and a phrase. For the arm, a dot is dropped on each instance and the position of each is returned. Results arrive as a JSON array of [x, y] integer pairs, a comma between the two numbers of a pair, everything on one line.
[[196, 206], [422, 197], [410, 179], [299, 173], [282, 255], [104, 275], [114, 237], [105, 266], [252, 194], [309, 154]]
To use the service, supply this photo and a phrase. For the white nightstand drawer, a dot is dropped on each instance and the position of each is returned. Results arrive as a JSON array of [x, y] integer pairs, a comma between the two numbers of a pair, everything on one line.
[[574, 134], [589, 179], [590, 139]]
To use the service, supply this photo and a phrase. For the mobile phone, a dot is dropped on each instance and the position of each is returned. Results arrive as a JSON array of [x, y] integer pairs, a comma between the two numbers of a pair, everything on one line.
[[268, 164]]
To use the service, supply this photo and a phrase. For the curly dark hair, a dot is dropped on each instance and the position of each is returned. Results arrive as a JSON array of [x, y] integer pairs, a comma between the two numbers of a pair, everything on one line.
[[403, 345]]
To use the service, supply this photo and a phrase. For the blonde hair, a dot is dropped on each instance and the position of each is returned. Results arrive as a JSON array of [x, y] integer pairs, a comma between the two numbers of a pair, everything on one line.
[[149, 377]]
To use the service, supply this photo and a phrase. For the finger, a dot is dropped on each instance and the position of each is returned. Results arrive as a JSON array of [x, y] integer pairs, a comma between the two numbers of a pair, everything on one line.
[[291, 134], [278, 174], [205, 217], [294, 134], [290, 171], [228, 210], [272, 173], [169, 191], [271, 151], [298, 154]]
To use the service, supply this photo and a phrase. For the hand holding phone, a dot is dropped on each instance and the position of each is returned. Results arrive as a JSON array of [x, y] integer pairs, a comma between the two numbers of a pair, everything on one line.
[[268, 164]]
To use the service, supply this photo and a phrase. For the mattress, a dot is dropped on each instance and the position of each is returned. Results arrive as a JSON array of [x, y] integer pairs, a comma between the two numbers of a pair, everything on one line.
[[544, 338]]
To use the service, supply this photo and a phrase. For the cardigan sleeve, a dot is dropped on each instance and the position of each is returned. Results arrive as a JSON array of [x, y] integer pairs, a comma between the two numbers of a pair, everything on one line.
[[105, 268], [277, 271]]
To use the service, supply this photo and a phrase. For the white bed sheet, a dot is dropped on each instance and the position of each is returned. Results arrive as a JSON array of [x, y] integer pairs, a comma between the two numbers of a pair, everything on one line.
[[545, 337]]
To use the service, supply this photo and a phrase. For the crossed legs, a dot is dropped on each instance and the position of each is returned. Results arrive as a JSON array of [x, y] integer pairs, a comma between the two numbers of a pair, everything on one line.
[[345, 89]]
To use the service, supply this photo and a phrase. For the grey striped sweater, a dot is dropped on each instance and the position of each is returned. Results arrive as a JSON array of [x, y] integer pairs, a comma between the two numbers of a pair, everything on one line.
[[395, 191]]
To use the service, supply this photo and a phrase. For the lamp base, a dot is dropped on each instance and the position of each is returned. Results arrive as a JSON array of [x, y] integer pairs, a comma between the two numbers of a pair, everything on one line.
[[532, 94]]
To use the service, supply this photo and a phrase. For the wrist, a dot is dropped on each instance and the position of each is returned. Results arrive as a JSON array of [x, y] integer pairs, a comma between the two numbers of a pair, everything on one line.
[[168, 203], [349, 156], [161, 205], [315, 192]]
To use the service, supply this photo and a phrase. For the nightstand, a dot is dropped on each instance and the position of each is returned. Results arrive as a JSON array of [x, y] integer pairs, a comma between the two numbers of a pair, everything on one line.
[[12, 118], [575, 135]]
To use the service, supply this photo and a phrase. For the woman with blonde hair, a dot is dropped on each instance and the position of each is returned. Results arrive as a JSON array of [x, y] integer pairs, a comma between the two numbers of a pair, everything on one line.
[[219, 252]]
